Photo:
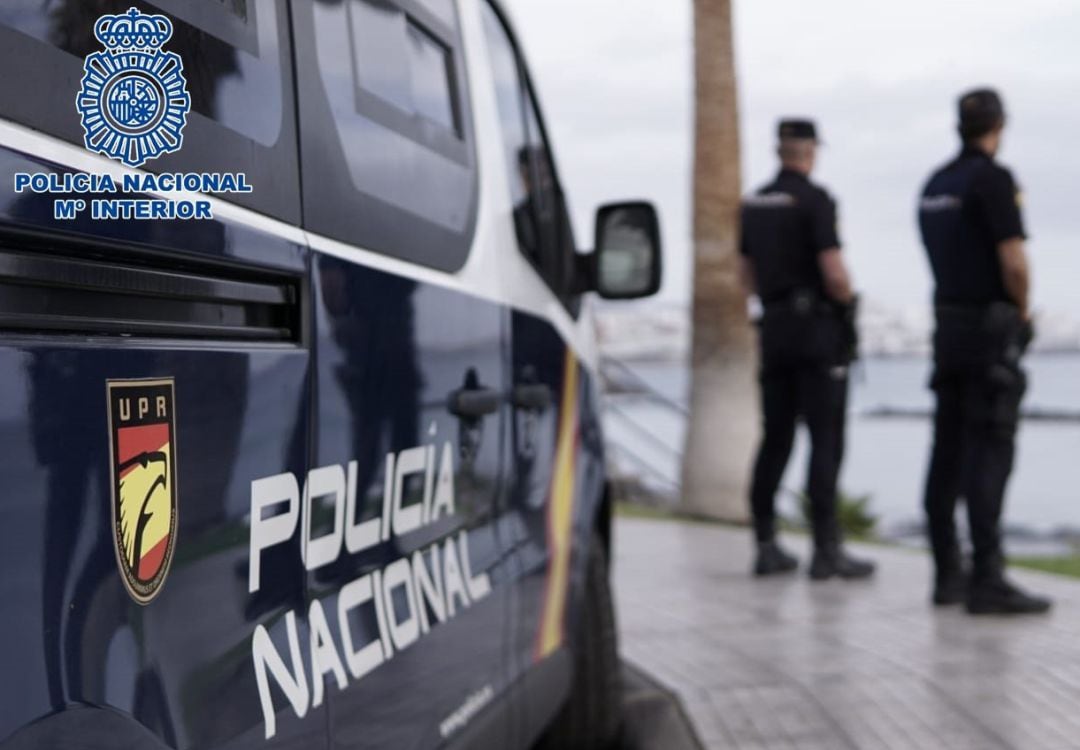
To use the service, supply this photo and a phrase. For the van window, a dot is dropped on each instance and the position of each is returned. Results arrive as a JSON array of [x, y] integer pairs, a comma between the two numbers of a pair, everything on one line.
[[238, 71], [401, 62], [431, 76], [385, 129], [541, 221]]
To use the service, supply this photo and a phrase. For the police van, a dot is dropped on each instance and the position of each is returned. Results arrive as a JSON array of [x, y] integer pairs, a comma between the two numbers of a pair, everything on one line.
[[299, 428]]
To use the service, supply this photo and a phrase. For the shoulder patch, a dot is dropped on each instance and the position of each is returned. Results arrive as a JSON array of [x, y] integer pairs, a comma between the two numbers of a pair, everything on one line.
[[770, 200], [944, 202]]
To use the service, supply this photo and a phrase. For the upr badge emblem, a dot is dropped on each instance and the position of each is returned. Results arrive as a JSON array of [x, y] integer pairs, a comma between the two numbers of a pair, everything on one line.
[[142, 439], [133, 100]]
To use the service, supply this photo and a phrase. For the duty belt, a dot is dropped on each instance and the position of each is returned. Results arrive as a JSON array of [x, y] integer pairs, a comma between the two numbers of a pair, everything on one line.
[[996, 316], [996, 328], [801, 302]]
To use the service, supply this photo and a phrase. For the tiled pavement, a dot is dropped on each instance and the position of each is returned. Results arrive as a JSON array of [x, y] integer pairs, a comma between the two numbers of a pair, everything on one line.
[[785, 664]]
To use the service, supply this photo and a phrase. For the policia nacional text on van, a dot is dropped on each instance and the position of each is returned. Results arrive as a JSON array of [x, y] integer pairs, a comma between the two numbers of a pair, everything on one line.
[[971, 225], [791, 259]]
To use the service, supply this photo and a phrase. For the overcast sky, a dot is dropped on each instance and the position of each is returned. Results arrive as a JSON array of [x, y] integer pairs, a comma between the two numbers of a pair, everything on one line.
[[615, 81]]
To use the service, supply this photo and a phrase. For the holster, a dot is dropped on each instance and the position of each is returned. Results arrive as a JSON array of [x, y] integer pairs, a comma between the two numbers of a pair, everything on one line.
[[980, 337], [983, 346], [849, 315], [808, 329]]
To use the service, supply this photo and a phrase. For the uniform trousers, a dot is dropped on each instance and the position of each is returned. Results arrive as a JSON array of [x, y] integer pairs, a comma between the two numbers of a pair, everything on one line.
[[979, 385], [803, 378]]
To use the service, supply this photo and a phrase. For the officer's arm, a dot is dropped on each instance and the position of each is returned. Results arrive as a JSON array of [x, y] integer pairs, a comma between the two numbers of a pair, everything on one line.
[[1000, 202], [835, 274], [1014, 272], [746, 276], [746, 268], [827, 242]]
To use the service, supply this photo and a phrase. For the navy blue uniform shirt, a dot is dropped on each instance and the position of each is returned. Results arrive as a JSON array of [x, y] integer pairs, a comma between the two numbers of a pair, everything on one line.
[[785, 225], [968, 207]]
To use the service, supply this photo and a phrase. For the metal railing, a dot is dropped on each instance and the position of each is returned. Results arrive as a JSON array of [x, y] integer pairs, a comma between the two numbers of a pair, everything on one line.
[[639, 457]]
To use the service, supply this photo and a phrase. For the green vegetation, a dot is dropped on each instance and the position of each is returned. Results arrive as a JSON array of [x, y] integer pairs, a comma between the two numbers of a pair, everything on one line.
[[853, 514], [857, 523], [1062, 565], [652, 513], [856, 520]]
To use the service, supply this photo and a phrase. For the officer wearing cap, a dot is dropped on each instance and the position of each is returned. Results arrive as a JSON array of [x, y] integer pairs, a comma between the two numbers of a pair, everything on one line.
[[969, 216], [791, 260]]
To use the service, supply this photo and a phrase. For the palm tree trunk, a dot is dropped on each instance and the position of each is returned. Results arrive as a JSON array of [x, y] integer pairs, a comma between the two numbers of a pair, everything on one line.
[[723, 427]]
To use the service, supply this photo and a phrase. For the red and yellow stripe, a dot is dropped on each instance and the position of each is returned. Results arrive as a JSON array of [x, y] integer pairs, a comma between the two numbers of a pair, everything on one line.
[[143, 493], [560, 516]]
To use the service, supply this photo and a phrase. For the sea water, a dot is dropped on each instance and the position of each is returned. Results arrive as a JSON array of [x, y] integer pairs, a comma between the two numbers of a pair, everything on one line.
[[886, 456]]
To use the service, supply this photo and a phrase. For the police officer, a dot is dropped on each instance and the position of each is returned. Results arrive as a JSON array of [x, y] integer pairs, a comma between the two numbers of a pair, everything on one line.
[[791, 260], [969, 216]]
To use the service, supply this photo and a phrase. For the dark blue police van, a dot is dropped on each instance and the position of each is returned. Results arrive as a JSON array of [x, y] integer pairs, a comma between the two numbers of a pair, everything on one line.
[[299, 429]]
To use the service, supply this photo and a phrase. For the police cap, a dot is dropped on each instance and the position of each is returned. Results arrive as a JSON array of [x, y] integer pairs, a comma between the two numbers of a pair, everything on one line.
[[981, 110], [796, 128]]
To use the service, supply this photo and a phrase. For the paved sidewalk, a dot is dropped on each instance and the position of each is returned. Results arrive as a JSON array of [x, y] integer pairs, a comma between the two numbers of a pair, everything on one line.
[[821, 666]]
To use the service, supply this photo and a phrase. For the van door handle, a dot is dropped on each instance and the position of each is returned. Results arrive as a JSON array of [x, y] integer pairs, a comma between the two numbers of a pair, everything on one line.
[[531, 396], [473, 403]]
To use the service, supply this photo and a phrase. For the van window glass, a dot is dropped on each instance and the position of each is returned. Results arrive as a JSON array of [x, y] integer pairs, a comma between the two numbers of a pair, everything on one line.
[[443, 9], [386, 134], [430, 65], [541, 221], [515, 142], [379, 54], [402, 63]]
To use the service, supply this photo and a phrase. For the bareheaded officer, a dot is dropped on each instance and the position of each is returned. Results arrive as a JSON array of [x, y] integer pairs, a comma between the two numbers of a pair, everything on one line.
[[791, 260], [969, 215]]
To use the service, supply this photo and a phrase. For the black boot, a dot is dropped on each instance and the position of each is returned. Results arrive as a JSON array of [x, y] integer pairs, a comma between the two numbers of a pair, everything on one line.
[[950, 587], [994, 595], [772, 559], [951, 581], [832, 561]]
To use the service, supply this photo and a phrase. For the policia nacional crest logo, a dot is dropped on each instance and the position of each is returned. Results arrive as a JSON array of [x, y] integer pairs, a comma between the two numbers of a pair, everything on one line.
[[142, 439], [133, 101]]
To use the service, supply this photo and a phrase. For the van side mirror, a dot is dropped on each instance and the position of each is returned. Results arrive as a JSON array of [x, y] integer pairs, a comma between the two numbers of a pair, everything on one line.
[[627, 257]]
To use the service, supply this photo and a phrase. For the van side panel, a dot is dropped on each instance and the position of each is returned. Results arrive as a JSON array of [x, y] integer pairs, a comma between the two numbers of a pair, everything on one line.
[[182, 665], [398, 362], [555, 486]]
